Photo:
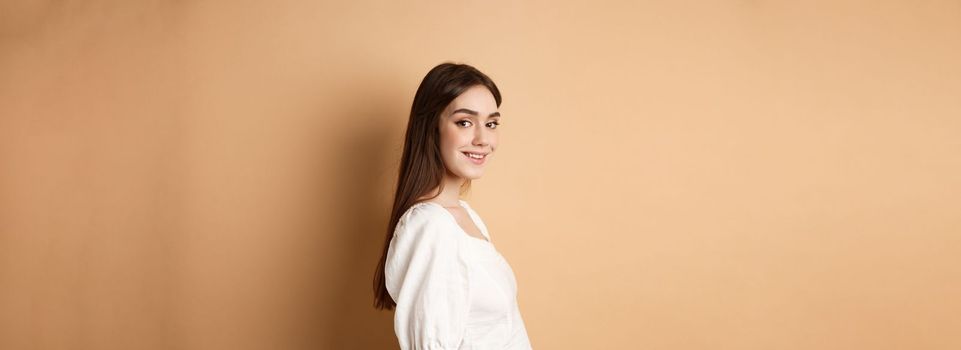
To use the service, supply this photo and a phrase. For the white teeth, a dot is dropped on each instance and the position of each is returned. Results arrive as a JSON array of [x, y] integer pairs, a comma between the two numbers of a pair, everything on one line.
[[475, 156]]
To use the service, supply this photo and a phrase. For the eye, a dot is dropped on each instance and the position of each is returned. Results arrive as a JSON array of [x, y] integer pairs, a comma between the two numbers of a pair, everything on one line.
[[495, 124], [462, 121]]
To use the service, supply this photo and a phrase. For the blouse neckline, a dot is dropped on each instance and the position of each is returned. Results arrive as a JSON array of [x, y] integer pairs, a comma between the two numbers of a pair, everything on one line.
[[470, 215]]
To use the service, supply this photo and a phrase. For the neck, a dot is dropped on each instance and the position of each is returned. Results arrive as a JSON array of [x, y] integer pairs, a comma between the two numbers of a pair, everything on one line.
[[451, 194]]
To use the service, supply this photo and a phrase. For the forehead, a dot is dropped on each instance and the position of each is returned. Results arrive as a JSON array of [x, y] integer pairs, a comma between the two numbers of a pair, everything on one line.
[[477, 98]]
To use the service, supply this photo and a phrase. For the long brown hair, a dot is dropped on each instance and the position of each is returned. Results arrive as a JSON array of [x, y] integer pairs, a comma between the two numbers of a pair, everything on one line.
[[422, 168]]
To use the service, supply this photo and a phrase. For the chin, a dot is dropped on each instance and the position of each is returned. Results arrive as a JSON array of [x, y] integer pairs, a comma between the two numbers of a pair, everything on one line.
[[472, 175]]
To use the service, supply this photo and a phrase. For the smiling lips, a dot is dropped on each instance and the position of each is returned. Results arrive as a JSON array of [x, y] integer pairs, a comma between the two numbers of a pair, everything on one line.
[[476, 158]]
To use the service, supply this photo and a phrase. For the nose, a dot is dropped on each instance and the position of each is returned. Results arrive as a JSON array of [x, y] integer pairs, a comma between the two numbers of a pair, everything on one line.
[[481, 137]]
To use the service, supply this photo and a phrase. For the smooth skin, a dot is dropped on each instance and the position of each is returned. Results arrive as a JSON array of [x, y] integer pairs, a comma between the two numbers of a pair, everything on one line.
[[468, 124]]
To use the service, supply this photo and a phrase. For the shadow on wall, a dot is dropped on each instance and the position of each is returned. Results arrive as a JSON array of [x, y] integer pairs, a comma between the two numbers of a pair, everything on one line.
[[362, 162]]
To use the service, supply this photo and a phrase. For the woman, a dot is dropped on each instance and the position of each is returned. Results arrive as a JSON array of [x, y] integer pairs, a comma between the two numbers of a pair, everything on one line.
[[449, 286]]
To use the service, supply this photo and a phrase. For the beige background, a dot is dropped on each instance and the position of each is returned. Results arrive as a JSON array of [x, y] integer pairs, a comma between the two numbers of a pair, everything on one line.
[[672, 175]]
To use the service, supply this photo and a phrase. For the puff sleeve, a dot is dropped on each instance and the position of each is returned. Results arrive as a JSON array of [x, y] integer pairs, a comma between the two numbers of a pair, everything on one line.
[[426, 274]]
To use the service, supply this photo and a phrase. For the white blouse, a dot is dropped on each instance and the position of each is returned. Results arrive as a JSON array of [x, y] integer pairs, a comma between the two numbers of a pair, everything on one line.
[[453, 290]]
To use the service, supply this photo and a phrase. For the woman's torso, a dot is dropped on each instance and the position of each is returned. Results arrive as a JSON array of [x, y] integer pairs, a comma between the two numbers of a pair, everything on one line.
[[494, 320]]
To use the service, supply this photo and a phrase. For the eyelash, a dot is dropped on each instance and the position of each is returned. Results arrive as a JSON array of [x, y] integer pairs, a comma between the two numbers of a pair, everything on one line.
[[496, 124]]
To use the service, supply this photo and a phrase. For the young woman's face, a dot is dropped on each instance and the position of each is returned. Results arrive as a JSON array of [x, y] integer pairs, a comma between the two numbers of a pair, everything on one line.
[[468, 127]]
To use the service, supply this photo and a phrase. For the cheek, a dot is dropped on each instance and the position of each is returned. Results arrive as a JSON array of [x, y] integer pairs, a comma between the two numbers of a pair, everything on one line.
[[446, 136], [454, 138], [493, 141], [450, 141]]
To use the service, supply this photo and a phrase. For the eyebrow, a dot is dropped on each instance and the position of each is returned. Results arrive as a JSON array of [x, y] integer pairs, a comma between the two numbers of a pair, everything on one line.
[[474, 113]]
